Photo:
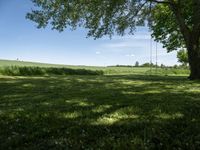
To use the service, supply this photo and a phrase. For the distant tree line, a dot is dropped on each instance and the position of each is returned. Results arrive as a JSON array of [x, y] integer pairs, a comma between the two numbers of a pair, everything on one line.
[[147, 64]]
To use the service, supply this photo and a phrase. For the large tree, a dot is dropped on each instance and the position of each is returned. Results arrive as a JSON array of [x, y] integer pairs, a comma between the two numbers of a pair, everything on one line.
[[175, 23]]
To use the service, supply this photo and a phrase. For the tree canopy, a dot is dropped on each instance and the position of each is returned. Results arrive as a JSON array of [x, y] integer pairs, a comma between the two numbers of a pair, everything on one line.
[[101, 17]]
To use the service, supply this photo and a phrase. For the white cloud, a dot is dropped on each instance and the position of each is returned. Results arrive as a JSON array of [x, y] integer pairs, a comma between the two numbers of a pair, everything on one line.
[[137, 41], [98, 53], [130, 55], [117, 45]]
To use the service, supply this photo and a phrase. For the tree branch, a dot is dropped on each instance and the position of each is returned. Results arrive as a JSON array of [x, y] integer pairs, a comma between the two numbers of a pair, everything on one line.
[[181, 22], [162, 2]]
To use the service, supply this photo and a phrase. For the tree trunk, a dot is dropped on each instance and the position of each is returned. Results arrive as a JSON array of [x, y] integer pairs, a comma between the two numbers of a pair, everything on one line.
[[194, 60], [191, 36]]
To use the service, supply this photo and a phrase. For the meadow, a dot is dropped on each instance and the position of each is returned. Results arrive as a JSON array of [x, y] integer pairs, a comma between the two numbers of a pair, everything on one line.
[[123, 108]]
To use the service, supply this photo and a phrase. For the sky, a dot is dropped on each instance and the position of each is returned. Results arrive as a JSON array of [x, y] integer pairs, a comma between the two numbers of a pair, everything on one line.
[[20, 39]]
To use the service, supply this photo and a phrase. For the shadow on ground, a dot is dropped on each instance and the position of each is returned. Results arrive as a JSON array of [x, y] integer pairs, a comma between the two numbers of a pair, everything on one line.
[[99, 112]]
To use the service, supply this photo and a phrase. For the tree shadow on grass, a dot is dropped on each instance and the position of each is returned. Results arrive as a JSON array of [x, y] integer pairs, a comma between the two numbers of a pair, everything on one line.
[[99, 112]]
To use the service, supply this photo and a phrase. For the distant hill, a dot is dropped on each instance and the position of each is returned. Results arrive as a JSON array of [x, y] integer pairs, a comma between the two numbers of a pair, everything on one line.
[[26, 63]]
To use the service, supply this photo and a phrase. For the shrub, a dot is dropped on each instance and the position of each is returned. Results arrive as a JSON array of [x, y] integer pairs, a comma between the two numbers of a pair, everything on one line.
[[41, 71]]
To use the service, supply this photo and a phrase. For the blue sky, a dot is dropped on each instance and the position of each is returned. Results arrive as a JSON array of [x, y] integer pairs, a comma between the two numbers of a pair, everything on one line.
[[21, 39]]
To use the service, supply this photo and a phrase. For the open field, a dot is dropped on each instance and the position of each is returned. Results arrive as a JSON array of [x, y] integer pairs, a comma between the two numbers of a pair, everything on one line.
[[115, 111], [106, 70]]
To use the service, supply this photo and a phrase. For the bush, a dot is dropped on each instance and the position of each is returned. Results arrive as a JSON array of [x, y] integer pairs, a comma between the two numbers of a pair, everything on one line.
[[41, 71]]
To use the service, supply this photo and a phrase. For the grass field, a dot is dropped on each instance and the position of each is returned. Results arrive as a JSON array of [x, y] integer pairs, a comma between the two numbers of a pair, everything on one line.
[[123, 109]]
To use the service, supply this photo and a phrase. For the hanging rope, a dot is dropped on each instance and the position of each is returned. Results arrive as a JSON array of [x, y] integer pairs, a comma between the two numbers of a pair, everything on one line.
[[150, 9], [151, 47], [156, 57]]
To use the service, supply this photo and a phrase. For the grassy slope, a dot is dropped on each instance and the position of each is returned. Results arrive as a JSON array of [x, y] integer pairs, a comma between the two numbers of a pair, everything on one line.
[[99, 112], [22, 63]]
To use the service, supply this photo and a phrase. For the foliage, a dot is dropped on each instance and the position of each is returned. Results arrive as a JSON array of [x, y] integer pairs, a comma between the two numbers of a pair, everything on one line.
[[182, 56], [39, 71], [165, 28], [99, 16], [148, 65]]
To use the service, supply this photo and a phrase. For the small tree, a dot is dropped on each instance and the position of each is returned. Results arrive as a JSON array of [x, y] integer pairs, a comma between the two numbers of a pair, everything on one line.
[[162, 66], [137, 64], [175, 66], [182, 56]]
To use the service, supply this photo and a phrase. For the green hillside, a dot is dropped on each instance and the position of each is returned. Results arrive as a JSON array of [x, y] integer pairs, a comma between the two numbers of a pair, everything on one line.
[[26, 63]]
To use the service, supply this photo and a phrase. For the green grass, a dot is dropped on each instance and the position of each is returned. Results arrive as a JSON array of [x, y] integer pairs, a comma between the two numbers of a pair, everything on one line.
[[127, 109]]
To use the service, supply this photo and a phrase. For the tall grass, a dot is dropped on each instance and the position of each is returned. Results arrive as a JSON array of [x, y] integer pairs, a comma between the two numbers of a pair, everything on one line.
[[41, 71]]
